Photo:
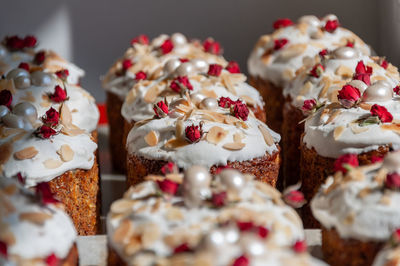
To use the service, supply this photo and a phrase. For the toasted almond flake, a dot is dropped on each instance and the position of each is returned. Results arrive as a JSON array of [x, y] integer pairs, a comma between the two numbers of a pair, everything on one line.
[[74, 131], [318, 34], [177, 178], [175, 143], [344, 71], [7, 84], [230, 120], [52, 163], [151, 234], [5, 152], [333, 116], [122, 206], [133, 246], [393, 127], [66, 153], [10, 189], [123, 232], [385, 199], [35, 217], [269, 140], [65, 115], [249, 101], [28, 97], [338, 131], [291, 51], [357, 129], [365, 106], [306, 88], [180, 129], [151, 94], [264, 40], [376, 78], [131, 96], [216, 134], [326, 85], [227, 82], [380, 177], [151, 138], [174, 214], [266, 57], [238, 137], [27, 153], [364, 192], [6, 235], [349, 218], [332, 95], [288, 74], [234, 146]]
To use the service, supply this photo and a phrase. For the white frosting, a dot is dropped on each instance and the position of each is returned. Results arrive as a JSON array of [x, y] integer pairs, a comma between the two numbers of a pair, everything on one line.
[[32, 241], [370, 217], [388, 256], [202, 152], [320, 136], [139, 109], [280, 68], [145, 208], [150, 61], [299, 93]]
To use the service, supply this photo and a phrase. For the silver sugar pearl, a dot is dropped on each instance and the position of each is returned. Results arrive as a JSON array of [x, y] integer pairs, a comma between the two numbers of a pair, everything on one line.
[[196, 98], [310, 20], [378, 92], [252, 245], [26, 109], [22, 82], [14, 121], [214, 241], [209, 103], [233, 179], [346, 53], [3, 111], [17, 72], [40, 78], [200, 65], [184, 69], [178, 39], [171, 65], [196, 176], [3, 51]]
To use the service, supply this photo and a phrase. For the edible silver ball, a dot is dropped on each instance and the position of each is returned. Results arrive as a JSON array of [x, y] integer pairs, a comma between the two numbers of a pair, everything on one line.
[[14, 121], [196, 176], [3, 111], [310, 20], [378, 92], [359, 85], [171, 65], [214, 241], [392, 161], [209, 103], [185, 69], [329, 17], [346, 53], [178, 39], [231, 234], [22, 82], [200, 65], [196, 98], [252, 245], [40, 78], [17, 72], [27, 110], [3, 51], [233, 179]]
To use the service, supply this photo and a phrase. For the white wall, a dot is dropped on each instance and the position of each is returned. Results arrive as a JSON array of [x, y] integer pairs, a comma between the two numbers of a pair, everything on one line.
[[93, 33]]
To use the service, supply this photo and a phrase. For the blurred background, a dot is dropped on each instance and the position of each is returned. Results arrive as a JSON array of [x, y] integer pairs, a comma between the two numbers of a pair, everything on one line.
[[93, 34]]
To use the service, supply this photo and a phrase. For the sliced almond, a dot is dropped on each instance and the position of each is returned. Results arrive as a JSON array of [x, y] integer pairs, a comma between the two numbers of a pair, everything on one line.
[[151, 234], [74, 131], [133, 246], [122, 206], [180, 129], [65, 115], [249, 101], [288, 74], [151, 94], [174, 214], [35, 217], [326, 82], [7, 236], [234, 146], [385, 199], [216, 134], [338, 131], [357, 129], [365, 106], [293, 50], [392, 127], [27, 153], [5, 152], [66, 153], [269, 140], [238, 137], [175, 143], [52, 163], [123, 232], [151, 138], [28, 97], [333, 116], [306, 88], [344, 71]]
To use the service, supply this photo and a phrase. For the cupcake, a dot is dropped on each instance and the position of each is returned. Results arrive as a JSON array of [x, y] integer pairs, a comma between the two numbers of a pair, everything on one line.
[[48, 135], [16, 51], [214, 133], [319, 82], [276, 57], [35, 230], [364, 122], [358, 210], [390, 255], [194, 218]]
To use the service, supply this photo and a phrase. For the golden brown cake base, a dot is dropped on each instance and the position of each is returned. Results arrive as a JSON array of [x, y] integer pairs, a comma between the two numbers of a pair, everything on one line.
[[349, 252], [114, 259], [292, 130], [314, 169], [79, 191], [274, 100], [72, 259], [115, 135], [265, 169]]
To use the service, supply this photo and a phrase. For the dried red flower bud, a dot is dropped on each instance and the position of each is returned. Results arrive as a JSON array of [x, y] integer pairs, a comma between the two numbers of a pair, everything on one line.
[[182, 248], [193, 133], [331, 25], [309, 105], [350, 43], [180, 84], [30, 41], [45, 132], [349, 96], [300, 246], [376, 159], [183, 60], [245, 226], [214, 70], [20, 178], [6, 98], [225, 102], [14, 43], [222, 167], [280, 43], [140, 76], [166, 47], [44, 193], [212, 47], [24, 65], [241, 261], [282, 23], [169, 168], [323, 52], [39, 57], [126, 64], [363, 73], [345, 163], [52, 260], [233, 67], [161, 109], [3, 249], [392, 181], [380, 111], [240, 110], [141, 39], [167, 186], [52, 117], [62, 74], [317, 70], [219, 199], [396, 237], [396, 90], [294, 198], [262, 231], [59, 94], [384, 64]]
